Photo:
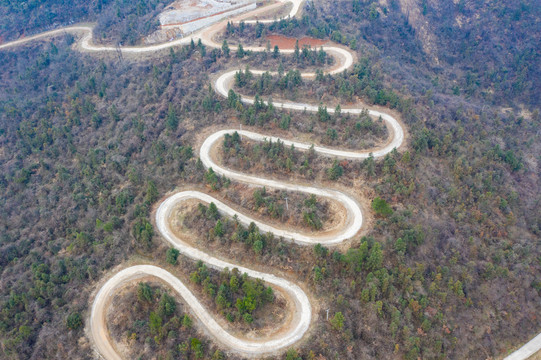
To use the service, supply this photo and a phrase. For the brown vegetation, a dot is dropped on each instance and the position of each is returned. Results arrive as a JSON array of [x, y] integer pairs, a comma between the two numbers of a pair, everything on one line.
[[87, 146]]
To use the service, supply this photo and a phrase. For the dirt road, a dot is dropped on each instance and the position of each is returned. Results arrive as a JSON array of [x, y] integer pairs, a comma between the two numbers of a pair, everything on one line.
[[300, 323]]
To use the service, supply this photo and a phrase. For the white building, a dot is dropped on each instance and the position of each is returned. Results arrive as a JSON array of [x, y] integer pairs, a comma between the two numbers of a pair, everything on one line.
[[192, 15]]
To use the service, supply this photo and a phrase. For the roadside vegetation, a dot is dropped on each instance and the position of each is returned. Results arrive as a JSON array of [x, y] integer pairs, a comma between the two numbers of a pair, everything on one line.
[[148, 321], [278, 206], [286, 162], [125, 22], [118, 21], [210, 225], [237, 297]]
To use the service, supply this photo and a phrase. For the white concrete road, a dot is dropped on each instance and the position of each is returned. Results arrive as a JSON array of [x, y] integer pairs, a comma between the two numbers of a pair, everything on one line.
[[302, 316], [223, 84], [303, 312], [529, 349]]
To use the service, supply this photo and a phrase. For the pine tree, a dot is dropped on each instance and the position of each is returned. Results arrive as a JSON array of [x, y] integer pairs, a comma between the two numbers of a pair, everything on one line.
[[225, 49], [240, 52], [276, 52], [375, 260], [172, 120], [337, 321]]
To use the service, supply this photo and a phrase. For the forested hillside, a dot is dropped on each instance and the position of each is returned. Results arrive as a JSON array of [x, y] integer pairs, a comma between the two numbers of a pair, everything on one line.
[[451, 265], [118, 21]]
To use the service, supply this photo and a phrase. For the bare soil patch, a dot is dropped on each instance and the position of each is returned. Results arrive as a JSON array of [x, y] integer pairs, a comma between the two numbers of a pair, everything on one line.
[[284, 42]]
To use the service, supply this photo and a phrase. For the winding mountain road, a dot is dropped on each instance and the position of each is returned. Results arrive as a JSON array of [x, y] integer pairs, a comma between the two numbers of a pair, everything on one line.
[[302, 316]]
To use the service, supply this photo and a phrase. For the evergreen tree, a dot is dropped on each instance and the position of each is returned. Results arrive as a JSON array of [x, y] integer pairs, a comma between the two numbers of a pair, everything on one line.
[[225, 49], [276, 52], [240, 52], [172, 120]]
